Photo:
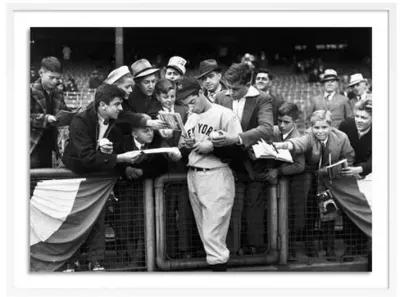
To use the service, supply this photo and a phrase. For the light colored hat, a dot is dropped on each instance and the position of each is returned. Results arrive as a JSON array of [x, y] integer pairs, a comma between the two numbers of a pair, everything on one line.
[[329, 74], [356, 78], [142, 68], [116, 74], [178, 63]]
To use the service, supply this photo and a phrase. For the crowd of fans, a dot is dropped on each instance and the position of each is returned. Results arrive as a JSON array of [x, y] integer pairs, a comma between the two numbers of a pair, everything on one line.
[[224, 113]]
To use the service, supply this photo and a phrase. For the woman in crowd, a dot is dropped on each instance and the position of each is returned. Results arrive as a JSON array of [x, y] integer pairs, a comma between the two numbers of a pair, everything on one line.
[[323, 146], [359, 131]]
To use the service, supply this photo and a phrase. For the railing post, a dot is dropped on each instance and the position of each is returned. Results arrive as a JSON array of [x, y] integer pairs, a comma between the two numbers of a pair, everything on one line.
[[272, 217], [283, 190], [149, 224]]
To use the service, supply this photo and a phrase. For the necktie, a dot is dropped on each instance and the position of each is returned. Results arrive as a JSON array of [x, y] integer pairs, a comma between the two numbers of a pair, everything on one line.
[[322, 155]]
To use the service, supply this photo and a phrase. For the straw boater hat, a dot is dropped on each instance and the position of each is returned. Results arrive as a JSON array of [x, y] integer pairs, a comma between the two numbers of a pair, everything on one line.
[[329, 74], [116, 74], [142, 68], [177, 63], [208, 66], [356, 78]]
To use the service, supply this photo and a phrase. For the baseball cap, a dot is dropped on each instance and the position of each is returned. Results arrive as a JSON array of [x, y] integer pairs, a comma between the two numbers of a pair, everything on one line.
[[185, 87]]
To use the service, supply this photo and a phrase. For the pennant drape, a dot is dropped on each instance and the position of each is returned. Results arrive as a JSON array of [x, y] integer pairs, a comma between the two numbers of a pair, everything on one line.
[[62, 213]]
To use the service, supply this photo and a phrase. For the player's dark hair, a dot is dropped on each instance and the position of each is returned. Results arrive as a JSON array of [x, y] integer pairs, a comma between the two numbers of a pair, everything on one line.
[[289, 109], [107, 93]]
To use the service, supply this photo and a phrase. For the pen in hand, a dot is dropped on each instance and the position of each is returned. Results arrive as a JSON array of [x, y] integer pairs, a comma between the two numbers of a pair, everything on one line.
[[273, 145]]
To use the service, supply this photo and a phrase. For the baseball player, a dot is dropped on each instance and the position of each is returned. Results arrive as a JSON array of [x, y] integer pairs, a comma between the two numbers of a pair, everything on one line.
[[210, 181]]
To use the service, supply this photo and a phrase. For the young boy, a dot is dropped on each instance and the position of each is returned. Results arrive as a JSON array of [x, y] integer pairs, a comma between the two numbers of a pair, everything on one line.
[[178, 202], [287, 115], [129, 227], [210, 181]]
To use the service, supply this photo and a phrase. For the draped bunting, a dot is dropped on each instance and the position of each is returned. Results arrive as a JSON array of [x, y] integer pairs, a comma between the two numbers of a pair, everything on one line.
[[62, 213]]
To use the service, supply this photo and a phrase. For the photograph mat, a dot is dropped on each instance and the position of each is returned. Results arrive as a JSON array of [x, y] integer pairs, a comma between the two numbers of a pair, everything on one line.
[[377, 20]]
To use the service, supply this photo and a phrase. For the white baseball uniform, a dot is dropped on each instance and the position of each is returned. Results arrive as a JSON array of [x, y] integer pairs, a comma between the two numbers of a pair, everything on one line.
[[211, 186]]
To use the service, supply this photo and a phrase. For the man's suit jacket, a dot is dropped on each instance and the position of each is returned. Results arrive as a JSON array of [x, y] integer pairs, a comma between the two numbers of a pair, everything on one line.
[[257, 120], [338, 146], [82, 154], [339, 106]]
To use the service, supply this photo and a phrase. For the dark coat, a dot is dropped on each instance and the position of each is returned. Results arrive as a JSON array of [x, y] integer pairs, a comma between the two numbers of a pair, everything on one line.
[[81, 154], [257, 120], [362, 146], [138, 102], [152, 165], [39, 114], [277, 100], [257, 123]]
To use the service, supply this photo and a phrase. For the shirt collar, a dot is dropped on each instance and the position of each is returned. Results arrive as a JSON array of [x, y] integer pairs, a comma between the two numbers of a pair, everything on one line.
[[330, 95], [138, 144], [286, 135], [167, 110], [101, 120], [325, 141], [361, 134], [252, 92]]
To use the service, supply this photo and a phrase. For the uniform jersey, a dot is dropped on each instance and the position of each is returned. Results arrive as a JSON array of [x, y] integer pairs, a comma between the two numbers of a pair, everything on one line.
[[199, 127]]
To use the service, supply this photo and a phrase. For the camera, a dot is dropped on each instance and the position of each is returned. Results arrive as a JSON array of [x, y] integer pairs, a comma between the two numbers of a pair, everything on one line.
[[327, 205]]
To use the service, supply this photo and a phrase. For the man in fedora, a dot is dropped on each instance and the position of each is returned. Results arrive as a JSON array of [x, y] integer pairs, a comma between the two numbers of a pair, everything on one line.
[[210, 78], [359, 86], [144, 75], [331, 100], [176, 68]]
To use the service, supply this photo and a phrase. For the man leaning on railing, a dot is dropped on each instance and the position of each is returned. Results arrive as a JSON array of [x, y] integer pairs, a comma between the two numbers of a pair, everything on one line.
[[90, 150]]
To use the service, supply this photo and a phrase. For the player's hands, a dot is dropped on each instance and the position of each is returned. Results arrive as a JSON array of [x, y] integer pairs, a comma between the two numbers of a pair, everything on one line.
[[157, 124], [224, 139], [351, 171], [175, 155], [188, 142], [133, 173], [106, 146], [51, 119], [204, 147]]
